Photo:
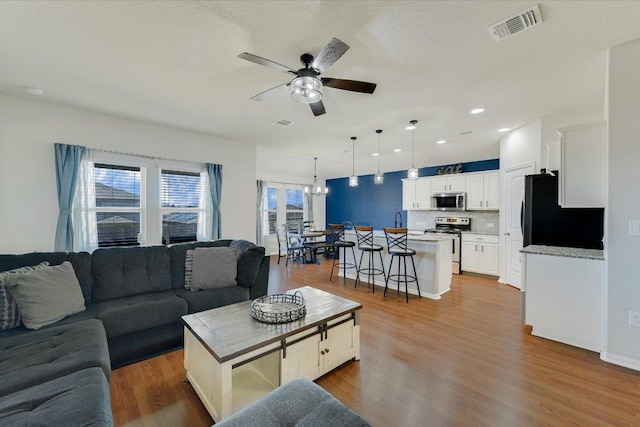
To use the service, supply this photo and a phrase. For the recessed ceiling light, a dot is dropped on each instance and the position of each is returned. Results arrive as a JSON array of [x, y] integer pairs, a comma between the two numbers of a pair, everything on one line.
[[375, 154], [477, 110], [503, 130], [397, 150], [442, 141], [34, 90]]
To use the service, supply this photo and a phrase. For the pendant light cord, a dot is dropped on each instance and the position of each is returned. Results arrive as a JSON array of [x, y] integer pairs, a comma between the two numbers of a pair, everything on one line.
[[379, 151], [413, 148], [353, 154]]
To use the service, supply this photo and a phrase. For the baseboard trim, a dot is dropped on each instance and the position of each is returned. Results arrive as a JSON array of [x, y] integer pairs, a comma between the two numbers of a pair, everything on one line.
[[626, 362]]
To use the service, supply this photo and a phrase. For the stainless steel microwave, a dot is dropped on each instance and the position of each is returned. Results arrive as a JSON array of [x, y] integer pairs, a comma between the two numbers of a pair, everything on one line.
[[449, 201]]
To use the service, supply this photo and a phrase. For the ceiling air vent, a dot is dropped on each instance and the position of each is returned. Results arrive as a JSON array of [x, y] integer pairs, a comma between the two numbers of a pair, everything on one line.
[[516, 23], [282, 123]]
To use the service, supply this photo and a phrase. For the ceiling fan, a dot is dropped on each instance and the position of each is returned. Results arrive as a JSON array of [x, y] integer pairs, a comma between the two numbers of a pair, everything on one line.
[[307, 86]]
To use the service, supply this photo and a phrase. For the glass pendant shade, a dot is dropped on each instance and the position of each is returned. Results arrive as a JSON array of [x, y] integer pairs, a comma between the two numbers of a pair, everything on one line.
[[306, 89], [353, 181], [412, 173]]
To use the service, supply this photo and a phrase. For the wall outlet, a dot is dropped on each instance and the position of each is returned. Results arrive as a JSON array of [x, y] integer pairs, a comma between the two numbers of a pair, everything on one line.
[[489, 225], [634, 318]]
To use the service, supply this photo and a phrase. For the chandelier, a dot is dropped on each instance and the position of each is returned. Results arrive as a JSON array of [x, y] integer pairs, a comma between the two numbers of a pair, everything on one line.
[[315, 190]]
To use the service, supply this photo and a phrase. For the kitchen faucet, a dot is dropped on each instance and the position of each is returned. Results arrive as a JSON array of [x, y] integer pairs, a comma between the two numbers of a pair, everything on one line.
[[396, 223]]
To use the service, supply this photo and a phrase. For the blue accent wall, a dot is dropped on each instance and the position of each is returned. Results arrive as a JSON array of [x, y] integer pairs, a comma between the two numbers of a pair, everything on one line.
[[376, 205]]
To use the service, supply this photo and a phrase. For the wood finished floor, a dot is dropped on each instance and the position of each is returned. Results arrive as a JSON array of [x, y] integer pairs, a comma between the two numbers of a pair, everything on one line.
[[464, 360]]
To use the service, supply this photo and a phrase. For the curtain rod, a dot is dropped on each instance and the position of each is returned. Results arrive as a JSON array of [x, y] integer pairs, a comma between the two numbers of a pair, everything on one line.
[[144, 156]]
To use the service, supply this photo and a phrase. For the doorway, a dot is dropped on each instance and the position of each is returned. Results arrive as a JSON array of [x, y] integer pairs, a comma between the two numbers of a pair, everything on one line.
[[512, 232]]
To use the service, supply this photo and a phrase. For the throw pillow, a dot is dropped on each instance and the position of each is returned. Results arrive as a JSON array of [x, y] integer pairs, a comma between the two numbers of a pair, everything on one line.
[[188, 269], [47, 295], [214, 268], [9, 313], [249, 259]]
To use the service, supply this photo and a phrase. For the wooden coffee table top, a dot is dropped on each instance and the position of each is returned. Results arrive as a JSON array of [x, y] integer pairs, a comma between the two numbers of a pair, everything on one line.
[[230, 331]]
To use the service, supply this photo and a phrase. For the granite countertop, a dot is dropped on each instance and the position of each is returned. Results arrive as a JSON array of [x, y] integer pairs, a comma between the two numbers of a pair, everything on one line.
[[564, 252], [486, 233], [413, 237]]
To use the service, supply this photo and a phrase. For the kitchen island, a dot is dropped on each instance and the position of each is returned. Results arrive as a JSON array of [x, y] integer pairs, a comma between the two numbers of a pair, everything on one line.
[[432, 260]]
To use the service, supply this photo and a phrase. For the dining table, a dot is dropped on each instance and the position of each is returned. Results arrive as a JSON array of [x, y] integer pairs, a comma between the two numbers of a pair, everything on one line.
[[307, 239]]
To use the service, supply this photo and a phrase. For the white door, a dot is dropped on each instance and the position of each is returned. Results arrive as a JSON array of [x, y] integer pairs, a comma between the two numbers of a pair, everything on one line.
[[514, 193]]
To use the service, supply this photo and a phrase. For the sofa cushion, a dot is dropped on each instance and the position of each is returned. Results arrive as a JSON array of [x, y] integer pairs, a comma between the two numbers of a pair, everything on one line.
[[33, 358], [81, 262], [178, 253], [213, 268], [297, 403], [249, 259], [212, 298], [9, 314], [90, 312], [46, 295], [125, 315], [78, 399], [123, 272]]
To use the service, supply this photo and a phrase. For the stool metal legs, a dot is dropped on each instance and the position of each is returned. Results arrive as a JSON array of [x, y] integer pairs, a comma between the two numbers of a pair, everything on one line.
[[402, 277], [344, 264], [370, 269]]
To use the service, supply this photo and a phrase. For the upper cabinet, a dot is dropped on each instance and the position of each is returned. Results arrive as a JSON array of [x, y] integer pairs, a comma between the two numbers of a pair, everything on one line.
[[416, 194], [483, 191], [582, 166], [448, 184]]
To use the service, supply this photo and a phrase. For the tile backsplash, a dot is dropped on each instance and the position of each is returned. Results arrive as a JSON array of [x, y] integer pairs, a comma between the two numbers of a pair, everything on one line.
[[480, 220]]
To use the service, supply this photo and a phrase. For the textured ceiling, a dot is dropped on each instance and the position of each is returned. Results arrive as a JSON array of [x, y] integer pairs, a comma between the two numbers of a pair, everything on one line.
[[175, 63]]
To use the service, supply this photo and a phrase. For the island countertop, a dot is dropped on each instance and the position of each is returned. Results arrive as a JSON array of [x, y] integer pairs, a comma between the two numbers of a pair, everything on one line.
[[596, 254], [414, 237]]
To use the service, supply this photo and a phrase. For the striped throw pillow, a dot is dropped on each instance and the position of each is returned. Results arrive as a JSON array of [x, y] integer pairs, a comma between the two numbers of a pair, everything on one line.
[[9, 314], [188, 269]]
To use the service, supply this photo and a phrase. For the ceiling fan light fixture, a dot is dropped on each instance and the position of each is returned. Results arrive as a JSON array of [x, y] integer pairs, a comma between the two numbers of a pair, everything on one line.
[[306, 89]]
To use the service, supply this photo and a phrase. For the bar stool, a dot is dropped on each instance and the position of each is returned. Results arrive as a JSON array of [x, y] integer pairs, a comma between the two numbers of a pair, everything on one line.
[[366, 245], [397, 247], [337, 235]]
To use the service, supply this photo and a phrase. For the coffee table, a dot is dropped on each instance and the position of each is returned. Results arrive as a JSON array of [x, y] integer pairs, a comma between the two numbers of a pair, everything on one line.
[[232, 360]]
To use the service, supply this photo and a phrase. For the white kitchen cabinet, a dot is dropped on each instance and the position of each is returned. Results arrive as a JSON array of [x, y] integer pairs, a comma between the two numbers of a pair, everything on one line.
[[480, 253], [448, 184], [582, 166], [315, 355], [483, 191], [416, 194]]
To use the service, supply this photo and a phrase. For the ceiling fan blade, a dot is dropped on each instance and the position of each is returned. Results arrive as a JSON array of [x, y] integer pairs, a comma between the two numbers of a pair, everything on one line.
[[317, 108], [266, 62], [267, 93], [330, 54], [352, 85]]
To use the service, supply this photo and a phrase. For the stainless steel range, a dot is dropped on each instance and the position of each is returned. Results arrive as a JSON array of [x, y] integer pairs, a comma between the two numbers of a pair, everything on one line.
[[453, 226]]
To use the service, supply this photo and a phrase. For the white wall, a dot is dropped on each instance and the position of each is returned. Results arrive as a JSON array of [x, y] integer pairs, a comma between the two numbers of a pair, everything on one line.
[[522, 145], [623, 251], [28, 130]]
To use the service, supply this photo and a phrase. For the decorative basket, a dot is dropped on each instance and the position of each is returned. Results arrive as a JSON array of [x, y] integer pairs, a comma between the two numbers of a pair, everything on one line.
[[279, 308]]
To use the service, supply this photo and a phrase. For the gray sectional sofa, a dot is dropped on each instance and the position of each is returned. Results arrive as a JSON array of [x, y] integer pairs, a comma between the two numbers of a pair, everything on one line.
[[134, 298]]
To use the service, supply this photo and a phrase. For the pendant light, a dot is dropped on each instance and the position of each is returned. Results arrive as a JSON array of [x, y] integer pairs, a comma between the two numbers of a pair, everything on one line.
[[353, 179], [315, 190], [413, 171], [378, 178]]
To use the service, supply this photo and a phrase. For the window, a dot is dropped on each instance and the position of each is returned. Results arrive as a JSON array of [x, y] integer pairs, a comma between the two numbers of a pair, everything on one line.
[[180, 205], [294, 208], [118, 204], [272, 209], [283, 204]]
